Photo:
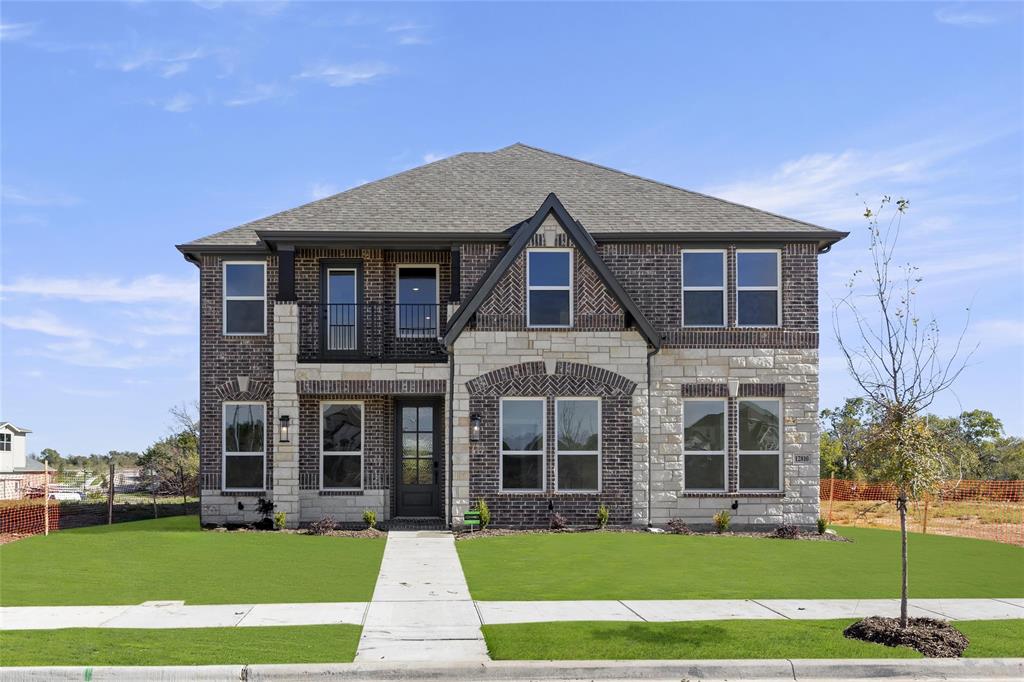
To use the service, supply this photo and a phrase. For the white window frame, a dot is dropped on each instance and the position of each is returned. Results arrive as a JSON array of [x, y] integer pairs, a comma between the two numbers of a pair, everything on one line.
[[437, 298], [780, 452], [543, 446], [573, 453], [777, 288], [362, 442], [684, 288], [224, 447], [569, 288], [225, 298], [725, 445]]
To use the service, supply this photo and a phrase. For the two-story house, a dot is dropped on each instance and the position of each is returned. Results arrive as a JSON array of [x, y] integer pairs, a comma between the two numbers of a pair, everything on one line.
[[517, 326]]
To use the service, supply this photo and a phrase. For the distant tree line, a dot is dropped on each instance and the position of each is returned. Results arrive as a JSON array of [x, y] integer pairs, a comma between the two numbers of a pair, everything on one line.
[[974, 438]]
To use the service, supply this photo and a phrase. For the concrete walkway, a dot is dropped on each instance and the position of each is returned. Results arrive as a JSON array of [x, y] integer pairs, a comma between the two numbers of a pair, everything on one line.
[[435, 607], [421, 608]]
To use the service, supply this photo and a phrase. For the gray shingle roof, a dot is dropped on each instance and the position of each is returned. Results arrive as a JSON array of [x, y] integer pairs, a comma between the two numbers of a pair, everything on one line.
[[492, 191]]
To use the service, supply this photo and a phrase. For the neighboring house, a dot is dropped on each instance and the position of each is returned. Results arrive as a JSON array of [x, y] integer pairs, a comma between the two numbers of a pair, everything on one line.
[[16, 467], [517, 326]]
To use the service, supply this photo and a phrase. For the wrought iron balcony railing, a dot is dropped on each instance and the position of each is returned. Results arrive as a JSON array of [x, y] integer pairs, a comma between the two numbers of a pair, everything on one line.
[[353, 331]]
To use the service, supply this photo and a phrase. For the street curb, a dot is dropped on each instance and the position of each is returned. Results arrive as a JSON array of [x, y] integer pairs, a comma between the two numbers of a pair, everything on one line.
[[779, 669]]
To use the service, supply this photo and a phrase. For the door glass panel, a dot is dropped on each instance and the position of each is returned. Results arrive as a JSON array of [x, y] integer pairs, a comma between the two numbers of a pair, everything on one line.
[[417, 442]]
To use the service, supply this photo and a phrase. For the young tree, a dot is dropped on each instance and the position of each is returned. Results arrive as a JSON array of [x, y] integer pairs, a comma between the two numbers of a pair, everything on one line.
[[171, 464], [896, 359]]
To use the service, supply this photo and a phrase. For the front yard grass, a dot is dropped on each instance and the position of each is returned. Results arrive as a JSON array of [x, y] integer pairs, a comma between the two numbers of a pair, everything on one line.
[[659, 566], [722, 639], [172, 559], [193, 646]]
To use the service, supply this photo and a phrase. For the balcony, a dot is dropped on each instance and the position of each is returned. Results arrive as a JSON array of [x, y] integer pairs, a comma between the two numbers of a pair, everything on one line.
[[371, 332]]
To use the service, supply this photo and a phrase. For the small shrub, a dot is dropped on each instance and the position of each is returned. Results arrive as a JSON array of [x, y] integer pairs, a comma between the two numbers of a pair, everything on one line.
[[324, 526], [822, 525], [370, 518], [280, 518], [678, 527], [558, 521], [602, 516], [265, 508], [485, 513], [722, 520]]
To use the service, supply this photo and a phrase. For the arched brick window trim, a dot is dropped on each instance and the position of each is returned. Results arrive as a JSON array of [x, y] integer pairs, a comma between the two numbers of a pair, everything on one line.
[[258, 390], [572, 378]]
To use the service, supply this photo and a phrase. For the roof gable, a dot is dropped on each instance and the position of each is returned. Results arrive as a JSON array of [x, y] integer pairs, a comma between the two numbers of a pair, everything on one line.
[[584, 244], [14, 429]]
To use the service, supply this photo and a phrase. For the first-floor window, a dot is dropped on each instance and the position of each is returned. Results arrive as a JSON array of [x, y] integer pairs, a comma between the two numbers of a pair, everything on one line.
[[522, 444], [578, 444], [341, 445], [245, 453], [760, 451], [704, 429]]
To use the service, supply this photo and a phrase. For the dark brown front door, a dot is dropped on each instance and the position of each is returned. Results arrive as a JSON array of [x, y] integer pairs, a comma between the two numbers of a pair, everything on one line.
[[417, 453]]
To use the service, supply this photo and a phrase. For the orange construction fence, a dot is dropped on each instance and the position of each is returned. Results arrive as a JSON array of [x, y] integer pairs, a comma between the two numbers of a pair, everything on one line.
[[990, 510]]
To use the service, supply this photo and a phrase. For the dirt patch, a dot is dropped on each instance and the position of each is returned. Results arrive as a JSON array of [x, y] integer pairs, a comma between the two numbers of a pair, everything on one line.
[[6, 538], [933, 638]]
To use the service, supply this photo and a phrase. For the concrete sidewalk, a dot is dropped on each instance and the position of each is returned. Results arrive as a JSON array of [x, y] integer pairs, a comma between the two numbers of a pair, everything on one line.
[[421, 608], [439, 603], [783, 670]]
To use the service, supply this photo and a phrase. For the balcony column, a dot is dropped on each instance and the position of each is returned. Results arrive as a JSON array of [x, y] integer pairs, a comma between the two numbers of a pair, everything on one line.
[[286, 273], [286, 402]]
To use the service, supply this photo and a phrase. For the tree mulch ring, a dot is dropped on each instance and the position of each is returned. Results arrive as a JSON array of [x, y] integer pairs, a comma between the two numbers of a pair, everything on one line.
[[933, 638]]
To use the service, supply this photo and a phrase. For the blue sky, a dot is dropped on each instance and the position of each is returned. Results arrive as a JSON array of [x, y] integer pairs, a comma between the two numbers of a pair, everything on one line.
[[130, 127]]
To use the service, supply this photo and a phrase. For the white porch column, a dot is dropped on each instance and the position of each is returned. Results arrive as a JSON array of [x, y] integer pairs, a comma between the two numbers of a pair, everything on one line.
[[286, 402]]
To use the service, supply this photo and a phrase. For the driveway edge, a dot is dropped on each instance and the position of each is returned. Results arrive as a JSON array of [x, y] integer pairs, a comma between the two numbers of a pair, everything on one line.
[[802, 669]]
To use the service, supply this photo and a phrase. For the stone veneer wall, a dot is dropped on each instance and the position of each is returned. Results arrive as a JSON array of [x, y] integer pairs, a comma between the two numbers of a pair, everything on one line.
[[479, 352], [679, 371]]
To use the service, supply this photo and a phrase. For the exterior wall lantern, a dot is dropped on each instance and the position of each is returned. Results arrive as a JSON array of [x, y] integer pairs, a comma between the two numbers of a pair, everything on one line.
[[285, 428], [474, 427]]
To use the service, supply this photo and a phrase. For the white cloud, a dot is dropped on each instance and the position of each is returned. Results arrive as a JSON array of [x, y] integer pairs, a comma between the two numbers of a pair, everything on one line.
[[44, 323], [87, 392], [431, 157], [16, 31], [92, 353], [404, 26], [254, 94], [963, 17], [995, 333], [108, 290], [19, 195], [346, 75], [822, 187], [179, 103], [151, 58], [319, 190]]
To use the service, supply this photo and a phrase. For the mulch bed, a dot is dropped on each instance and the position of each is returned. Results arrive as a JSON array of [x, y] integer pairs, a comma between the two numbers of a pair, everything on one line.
[[932, 638], [773, 534], [339, 533]]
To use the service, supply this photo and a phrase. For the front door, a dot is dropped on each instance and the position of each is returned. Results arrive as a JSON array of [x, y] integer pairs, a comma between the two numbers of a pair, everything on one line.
[[417, 454]]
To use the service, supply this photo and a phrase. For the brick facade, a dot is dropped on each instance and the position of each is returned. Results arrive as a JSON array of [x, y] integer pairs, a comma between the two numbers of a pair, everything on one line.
[[531, 509]]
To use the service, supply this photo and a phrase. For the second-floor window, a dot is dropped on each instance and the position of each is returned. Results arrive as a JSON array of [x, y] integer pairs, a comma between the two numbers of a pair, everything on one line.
[[5, 442], [703, 288], [549, 288], [758, 299], [245, 298], [417, 310]]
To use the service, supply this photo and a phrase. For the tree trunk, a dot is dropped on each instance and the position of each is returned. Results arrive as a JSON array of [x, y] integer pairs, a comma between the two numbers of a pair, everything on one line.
[[902, 504]]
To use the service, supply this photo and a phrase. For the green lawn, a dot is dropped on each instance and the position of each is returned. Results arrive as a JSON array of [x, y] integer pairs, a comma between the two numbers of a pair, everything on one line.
[[172, 559], [722, 639], [194, 646], [652, 566]]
